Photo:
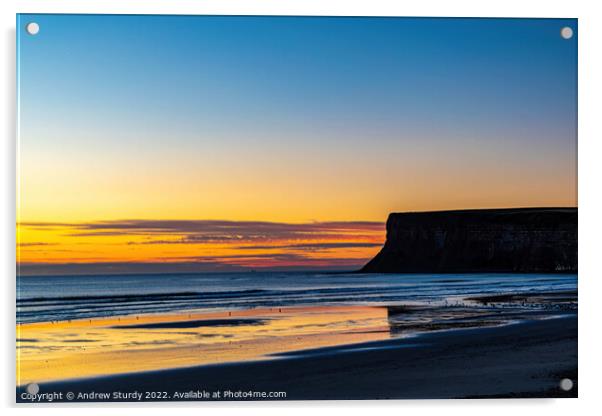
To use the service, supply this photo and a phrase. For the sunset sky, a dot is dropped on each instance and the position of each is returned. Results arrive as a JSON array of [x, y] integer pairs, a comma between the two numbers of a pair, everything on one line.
[[164, 143]]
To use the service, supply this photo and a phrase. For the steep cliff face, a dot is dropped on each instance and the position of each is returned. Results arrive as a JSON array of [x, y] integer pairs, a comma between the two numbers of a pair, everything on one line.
[[525, 240]]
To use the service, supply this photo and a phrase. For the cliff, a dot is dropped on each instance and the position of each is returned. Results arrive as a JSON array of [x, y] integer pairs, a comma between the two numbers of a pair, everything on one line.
[[521, 240]]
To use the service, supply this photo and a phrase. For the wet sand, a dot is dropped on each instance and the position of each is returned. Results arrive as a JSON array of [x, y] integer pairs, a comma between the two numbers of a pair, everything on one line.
[[526, 359], [50, 351]]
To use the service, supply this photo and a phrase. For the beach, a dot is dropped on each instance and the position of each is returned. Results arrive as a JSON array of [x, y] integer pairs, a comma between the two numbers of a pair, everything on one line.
[[518, 360], [435, 336]]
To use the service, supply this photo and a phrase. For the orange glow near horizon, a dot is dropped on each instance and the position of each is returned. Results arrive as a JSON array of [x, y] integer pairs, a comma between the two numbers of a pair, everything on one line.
[[211, 244]]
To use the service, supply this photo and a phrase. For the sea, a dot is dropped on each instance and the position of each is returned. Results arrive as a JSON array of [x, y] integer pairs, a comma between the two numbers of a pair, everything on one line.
[[59, 298]]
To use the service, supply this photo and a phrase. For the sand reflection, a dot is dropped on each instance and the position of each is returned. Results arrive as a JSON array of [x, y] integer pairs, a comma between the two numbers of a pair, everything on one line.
[[83, 348]]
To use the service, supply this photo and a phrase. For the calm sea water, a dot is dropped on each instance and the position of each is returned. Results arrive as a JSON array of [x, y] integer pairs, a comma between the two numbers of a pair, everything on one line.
[[47, 298]]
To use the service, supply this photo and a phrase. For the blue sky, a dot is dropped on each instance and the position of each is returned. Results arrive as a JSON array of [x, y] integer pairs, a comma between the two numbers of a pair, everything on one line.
[[277, 74]]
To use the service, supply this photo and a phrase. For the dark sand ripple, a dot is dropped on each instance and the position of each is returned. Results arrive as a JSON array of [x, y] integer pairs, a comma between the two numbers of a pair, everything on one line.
[[194, 324]]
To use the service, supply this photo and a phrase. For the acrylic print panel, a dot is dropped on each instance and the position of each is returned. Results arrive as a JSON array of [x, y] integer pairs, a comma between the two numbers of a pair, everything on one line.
[[286, 208]]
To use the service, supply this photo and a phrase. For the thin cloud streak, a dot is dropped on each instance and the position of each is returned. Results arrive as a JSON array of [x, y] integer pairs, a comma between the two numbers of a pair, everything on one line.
[[36, 244], [209, 225], [215, 231], [199, 265], [310, 246]]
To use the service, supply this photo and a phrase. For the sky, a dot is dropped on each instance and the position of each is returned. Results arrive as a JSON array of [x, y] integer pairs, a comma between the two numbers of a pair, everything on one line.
[[195, 143]]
